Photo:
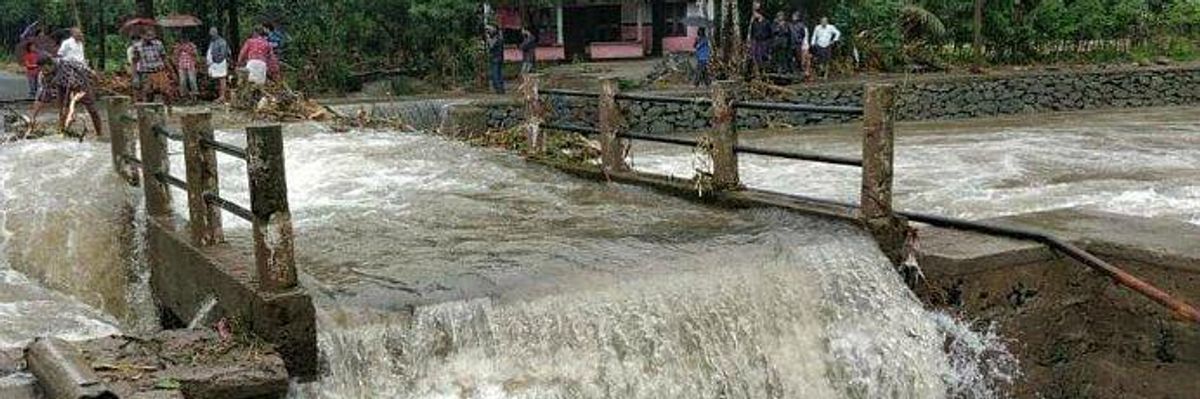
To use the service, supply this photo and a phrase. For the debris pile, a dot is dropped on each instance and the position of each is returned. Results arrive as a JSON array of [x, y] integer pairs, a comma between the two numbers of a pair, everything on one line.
[[675, 68], [277, 101], [114, 85]]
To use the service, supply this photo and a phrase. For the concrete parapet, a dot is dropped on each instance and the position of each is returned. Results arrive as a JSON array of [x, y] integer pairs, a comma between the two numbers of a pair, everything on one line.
[[183, 275]]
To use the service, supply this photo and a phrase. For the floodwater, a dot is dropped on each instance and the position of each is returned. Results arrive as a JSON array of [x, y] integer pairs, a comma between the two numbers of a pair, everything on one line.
[[443, 270], [68, 257], [1135, 162]]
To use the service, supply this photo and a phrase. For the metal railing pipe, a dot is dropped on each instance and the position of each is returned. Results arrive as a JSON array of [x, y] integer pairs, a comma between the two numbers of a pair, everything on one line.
[[794, 107], [660, 139], [229, 206], [800, 156], [663, 99], [589, 131], [224, 148], [569, 93]]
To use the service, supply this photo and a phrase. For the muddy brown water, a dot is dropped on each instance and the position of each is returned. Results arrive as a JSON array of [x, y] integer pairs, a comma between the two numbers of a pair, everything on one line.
[[443, 270], [1137, 162]]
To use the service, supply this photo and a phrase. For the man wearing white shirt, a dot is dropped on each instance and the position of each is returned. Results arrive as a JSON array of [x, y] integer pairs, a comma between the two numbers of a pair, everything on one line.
[[824, 37], [72, 48]]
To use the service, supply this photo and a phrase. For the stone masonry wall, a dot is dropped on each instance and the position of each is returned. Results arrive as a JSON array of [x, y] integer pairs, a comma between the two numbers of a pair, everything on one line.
[[946, 98]]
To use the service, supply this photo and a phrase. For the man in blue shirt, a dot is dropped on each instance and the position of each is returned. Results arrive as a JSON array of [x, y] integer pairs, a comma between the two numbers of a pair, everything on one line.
[[703, 55]]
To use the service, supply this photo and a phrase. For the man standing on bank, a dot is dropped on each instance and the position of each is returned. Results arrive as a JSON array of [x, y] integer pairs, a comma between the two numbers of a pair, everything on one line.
[[217, 59], [528, 50], [824, 37], [801, 41], [495, 46], [185, 66], [150, 59]]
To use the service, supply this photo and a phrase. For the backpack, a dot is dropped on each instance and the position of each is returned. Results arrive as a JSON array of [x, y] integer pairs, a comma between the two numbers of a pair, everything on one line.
[[221, 52]]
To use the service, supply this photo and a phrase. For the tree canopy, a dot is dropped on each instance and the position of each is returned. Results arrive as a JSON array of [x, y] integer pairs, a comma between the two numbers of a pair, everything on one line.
[[333, 44]]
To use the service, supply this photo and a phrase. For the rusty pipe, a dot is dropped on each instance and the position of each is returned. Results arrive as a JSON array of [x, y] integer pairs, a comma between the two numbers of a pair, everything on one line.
[[1177, 306]]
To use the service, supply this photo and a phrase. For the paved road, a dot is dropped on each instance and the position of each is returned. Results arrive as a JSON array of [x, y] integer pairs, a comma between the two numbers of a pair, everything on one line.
[[12, 86]]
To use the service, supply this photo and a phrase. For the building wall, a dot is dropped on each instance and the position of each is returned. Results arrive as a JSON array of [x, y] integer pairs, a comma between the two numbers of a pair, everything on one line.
[[629, 33]]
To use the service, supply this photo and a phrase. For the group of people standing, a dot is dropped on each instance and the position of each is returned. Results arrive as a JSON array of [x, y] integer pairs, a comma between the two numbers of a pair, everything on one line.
[[151, 68], [781, 45], [58, 71], [494, 40]]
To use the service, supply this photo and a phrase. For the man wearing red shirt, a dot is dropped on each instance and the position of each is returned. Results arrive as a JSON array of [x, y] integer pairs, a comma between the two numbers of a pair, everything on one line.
[[257, 57], [185, 63]]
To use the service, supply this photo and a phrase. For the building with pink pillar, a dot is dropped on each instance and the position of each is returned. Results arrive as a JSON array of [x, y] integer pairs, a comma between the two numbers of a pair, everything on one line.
[[602, 29]]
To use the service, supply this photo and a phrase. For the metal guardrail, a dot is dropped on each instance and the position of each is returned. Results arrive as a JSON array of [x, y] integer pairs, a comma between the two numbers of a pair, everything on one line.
[[132, 160], [171, 180], [163, 131], [663, 99], [570, 93], [752, 105], [799, 156], [659, 139], [584, 130], [797, 107], [876, 198], [228, 206], [269, 211], [794, 155], [225, 148]]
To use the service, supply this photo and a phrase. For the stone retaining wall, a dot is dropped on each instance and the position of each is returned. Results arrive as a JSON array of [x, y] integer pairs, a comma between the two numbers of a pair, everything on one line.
[[946, 98]]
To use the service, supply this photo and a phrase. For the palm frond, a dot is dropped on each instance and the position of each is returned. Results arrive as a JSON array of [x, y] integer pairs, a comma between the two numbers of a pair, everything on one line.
[[920, 21]]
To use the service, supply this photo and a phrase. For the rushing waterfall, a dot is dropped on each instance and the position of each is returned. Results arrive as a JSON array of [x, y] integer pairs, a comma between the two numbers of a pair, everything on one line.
[[67, 225], [442, 270]]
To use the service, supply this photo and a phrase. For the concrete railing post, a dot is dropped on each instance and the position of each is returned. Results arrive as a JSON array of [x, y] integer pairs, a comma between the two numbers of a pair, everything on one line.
[[272, 222], [202, 179], [120, 129], [877, 154], [612, 148], [534, 112], [154, 159], [723, 136]]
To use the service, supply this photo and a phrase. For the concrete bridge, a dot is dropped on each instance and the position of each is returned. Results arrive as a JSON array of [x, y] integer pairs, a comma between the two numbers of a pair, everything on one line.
[[190, 267]]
